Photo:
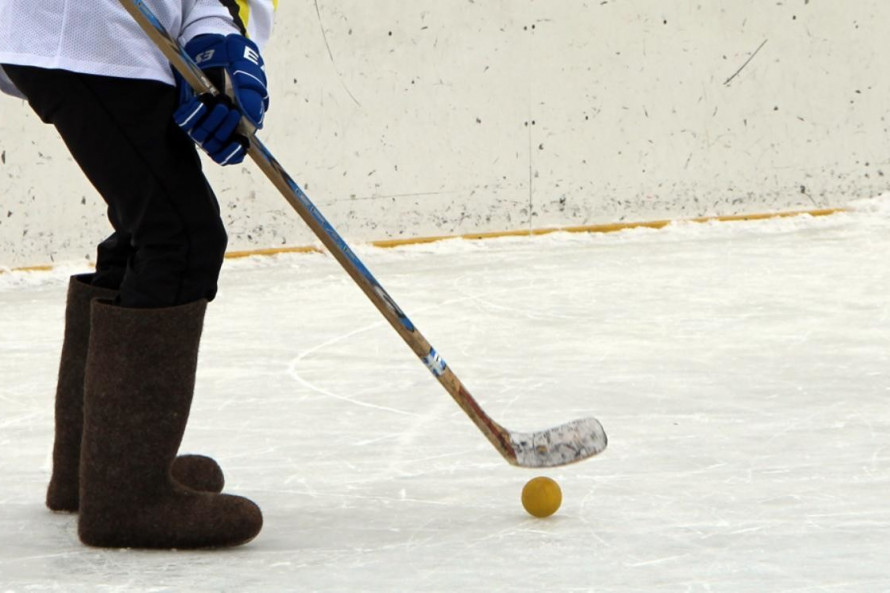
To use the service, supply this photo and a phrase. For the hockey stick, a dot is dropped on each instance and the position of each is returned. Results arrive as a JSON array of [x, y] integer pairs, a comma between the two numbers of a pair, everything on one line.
[[556, 446]]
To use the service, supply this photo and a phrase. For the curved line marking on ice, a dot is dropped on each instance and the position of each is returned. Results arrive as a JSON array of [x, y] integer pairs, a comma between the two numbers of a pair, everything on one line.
[[295, 374]]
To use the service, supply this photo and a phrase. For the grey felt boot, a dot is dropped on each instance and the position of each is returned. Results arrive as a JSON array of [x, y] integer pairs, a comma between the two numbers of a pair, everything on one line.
[[195, 471], [138, 388]]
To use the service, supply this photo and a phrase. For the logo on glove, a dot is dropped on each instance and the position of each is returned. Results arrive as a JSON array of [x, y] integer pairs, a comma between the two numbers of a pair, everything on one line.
[[252, 55], [205, 56]]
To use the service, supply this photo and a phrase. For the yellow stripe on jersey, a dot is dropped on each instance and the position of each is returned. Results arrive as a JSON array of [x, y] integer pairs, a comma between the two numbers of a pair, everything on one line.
[[244, 11]]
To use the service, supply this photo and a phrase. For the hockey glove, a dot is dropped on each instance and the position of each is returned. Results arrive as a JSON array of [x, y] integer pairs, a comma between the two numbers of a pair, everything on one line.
[[234, 65]]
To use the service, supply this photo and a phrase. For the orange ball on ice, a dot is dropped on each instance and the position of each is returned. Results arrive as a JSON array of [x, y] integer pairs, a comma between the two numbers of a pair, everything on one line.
[[541, 496]]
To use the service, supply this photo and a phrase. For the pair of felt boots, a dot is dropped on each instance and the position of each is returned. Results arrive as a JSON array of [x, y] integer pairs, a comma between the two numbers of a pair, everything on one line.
[[125, 388]]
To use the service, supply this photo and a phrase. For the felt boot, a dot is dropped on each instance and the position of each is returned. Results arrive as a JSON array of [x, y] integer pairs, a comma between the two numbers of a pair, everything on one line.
[[196, 471], [138, 389]]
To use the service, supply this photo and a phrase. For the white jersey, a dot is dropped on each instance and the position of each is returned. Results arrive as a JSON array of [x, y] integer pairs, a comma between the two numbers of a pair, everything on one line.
[[100, 37]]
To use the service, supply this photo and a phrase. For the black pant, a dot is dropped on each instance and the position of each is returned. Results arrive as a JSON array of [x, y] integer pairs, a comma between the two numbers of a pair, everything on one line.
[[169, 240]]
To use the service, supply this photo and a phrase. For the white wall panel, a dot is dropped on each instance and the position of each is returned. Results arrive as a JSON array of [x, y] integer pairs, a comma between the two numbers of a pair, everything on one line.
[[421, 118]]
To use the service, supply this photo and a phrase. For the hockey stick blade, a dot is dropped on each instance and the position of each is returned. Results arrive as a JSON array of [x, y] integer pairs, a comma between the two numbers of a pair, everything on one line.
[[557, 446], [561, 445]]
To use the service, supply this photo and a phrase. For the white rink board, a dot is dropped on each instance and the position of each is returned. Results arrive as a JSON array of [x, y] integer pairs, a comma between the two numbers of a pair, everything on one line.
[[439, 118]]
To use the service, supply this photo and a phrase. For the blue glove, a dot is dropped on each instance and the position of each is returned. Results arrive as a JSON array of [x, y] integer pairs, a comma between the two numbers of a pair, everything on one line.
[[240, 59], [212, 122]]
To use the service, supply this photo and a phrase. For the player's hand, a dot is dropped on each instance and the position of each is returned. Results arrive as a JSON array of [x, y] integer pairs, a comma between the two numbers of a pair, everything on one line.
[[234, 65], [212, 122]]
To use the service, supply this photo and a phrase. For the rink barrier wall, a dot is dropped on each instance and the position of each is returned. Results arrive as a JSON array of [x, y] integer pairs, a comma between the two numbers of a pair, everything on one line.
[[602, 228], [440, 119]]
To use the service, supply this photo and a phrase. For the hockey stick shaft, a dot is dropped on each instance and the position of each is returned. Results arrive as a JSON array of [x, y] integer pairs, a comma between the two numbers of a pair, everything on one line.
[[500, 438]]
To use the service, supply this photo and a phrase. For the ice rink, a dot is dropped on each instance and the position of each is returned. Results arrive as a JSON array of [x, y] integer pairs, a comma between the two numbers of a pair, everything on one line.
[[740, 369]]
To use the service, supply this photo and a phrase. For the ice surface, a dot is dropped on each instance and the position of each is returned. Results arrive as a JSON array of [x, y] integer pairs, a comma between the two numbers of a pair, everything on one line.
[[740, 370]]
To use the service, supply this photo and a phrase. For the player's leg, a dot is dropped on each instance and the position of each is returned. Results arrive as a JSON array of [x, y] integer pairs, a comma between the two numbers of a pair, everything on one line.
[[141, 361]]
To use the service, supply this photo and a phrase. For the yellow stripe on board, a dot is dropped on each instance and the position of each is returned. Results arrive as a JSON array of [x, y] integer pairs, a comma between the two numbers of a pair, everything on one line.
[[272, 251], [595, 228], [43, 268], [605, 228]]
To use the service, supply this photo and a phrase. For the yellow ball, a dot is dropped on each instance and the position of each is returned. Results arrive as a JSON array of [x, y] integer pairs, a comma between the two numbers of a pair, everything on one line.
[[541, 496]]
